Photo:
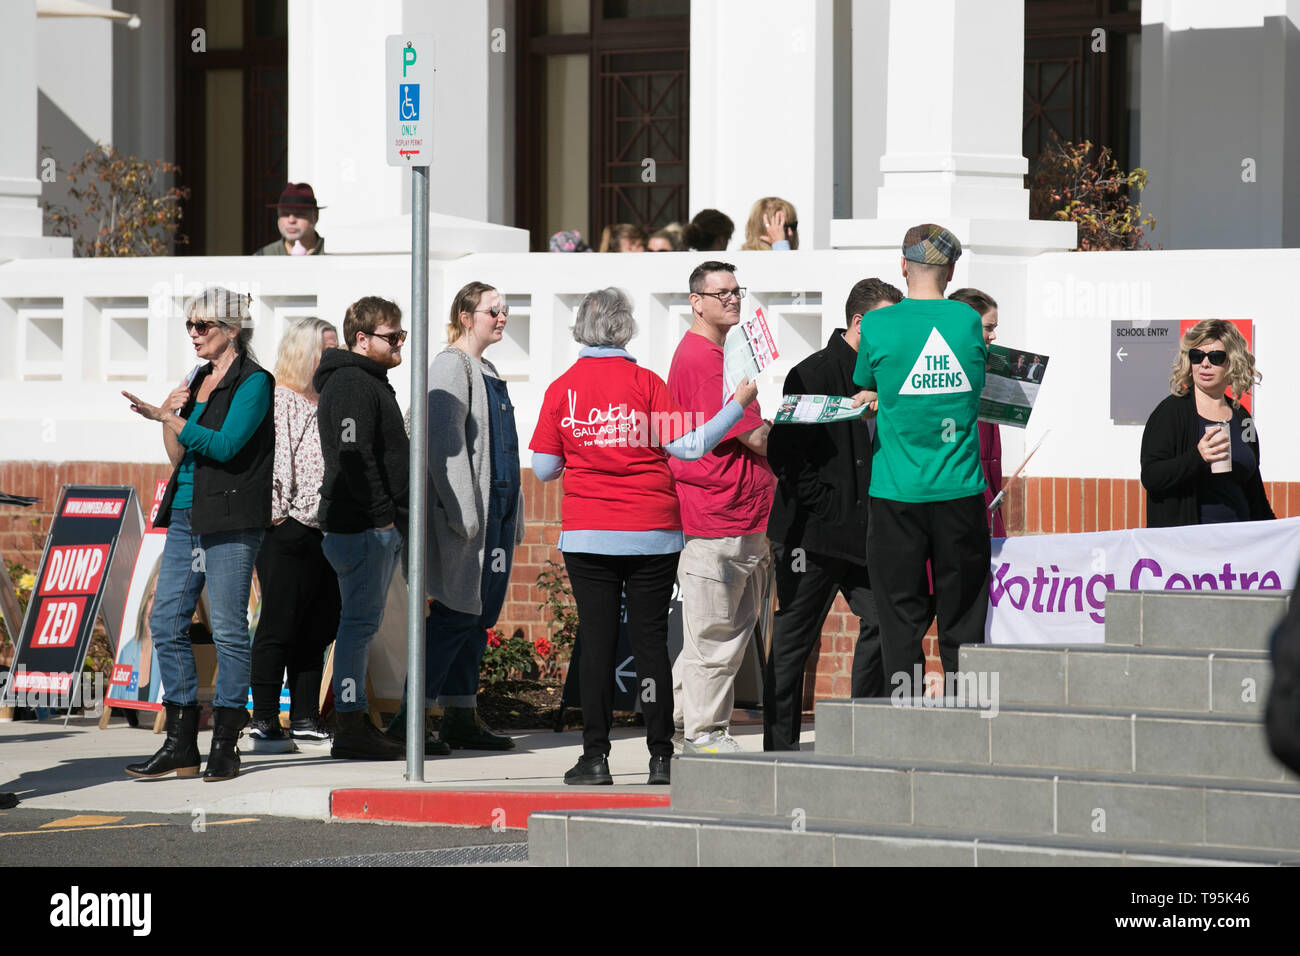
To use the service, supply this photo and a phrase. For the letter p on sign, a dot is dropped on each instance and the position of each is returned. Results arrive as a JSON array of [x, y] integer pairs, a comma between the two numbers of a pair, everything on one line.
[[408, 57]]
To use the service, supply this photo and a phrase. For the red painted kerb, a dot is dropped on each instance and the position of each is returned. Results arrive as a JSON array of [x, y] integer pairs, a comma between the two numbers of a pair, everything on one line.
[[476, 808]]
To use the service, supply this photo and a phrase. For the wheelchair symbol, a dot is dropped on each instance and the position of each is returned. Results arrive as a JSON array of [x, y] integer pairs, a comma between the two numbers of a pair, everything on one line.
[[408, 102]]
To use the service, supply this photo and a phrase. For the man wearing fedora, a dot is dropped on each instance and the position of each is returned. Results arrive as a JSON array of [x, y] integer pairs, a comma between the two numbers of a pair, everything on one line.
[[297, 211]]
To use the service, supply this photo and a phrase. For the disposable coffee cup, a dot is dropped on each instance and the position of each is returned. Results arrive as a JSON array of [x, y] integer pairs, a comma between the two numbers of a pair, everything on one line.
[[1219, 467]]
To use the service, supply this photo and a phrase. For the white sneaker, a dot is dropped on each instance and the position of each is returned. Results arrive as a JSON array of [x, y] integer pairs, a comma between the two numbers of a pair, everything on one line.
[[714, 742]]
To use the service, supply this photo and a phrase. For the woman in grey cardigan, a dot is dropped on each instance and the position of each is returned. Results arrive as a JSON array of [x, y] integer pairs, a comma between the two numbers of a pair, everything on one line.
[[475, 513]]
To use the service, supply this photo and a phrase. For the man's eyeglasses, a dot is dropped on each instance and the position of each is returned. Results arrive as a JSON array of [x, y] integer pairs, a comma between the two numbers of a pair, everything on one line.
[[496, 311], [200, 326], [394, 339], [1217, 357], [726, 294]]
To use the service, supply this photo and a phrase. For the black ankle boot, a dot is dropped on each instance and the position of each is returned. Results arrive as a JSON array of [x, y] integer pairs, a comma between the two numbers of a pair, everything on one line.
[[179, 753], [223, 760], [356, 738]]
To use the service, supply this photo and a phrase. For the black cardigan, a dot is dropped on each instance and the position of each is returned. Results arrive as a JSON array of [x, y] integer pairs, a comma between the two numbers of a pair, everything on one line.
[[1173, 471]]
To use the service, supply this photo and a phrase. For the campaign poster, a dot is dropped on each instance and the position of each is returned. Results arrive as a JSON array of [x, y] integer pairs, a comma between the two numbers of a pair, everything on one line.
[[92, 541], [136, 681]]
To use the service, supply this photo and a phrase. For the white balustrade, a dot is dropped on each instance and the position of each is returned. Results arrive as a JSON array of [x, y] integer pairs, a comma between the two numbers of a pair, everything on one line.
[[81, 330]]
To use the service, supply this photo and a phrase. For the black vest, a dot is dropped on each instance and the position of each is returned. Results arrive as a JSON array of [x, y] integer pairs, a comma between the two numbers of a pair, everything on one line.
[[228, 495]]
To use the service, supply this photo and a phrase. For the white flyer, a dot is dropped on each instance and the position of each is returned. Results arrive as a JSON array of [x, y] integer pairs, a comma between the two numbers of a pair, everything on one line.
[[746, 354]]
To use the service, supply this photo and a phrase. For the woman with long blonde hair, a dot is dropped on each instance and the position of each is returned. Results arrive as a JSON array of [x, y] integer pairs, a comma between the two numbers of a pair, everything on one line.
[[773, 226], [1200, 449], [300, 592]]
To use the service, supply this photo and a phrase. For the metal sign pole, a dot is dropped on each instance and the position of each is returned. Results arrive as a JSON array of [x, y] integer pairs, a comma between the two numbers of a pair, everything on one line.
[[415, 606]]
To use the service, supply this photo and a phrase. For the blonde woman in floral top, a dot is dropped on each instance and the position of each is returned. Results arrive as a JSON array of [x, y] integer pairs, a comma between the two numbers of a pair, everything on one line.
[[300, 592]]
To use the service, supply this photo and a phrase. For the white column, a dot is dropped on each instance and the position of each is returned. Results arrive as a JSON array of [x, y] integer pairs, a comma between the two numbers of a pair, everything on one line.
[[869, 70], [336, 120], [762, 110], [337, 124], [953, 130], [20, 186]]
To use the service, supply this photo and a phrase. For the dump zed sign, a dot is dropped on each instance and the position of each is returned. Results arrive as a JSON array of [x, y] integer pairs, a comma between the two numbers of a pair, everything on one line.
[[91, 525]]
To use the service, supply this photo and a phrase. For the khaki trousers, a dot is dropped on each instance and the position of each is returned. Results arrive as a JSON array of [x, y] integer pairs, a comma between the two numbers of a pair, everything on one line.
[[723, 584]]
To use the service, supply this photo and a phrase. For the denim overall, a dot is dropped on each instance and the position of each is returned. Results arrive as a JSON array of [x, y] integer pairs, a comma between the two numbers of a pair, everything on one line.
[[455, 640]]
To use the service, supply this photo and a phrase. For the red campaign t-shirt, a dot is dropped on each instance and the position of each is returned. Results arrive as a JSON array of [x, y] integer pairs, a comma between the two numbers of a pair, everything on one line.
[[609, 419], [728, 492]]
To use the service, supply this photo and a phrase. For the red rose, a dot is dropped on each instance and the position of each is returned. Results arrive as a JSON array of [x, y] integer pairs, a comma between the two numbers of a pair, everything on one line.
[[543, 647]]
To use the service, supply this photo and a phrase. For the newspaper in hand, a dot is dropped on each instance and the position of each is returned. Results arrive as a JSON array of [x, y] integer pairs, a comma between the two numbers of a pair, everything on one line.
[[818, 409], [747, 351], [1011, 382]]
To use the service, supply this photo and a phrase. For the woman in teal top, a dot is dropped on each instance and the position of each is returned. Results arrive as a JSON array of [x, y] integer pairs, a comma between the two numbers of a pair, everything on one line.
[[220, 437]]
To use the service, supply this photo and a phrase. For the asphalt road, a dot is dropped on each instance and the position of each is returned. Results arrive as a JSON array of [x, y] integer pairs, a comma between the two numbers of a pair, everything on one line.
[[58, 838]]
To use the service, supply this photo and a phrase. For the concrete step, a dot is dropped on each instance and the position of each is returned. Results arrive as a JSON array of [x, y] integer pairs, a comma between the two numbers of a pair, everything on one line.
[[670, 838], [1116, 676], [1117, 741], [1143, 807], [1209, 620]]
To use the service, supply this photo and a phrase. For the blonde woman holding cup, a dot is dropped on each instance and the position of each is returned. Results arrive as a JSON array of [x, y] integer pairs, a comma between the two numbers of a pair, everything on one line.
[[1200, 448]]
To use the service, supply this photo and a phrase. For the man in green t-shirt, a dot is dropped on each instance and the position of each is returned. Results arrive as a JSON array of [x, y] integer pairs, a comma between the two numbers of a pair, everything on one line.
[[924, 358]]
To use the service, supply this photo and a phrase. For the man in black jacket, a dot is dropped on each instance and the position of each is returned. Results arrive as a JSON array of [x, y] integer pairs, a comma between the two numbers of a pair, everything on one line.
[[363, 504], [818, 527]]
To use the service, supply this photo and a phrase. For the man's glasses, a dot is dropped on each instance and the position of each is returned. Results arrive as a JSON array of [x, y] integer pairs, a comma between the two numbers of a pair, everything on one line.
[[394, 339], [1217, 357], [200, 326], [496, 311], [726, 294]]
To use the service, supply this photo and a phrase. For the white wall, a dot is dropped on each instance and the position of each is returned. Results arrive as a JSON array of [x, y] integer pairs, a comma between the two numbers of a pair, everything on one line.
[[337, 104], [1220, 84], [1088, 290]]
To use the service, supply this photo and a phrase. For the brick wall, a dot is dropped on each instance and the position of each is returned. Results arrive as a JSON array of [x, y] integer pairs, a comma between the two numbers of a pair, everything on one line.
[[1032, 506]]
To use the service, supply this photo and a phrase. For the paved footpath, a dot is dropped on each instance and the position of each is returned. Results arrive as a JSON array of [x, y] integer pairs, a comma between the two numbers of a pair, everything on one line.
[[80, 767]]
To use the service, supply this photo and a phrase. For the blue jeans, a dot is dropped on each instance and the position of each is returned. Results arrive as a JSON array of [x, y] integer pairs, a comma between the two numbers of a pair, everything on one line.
[[364, 563], [225, 562]]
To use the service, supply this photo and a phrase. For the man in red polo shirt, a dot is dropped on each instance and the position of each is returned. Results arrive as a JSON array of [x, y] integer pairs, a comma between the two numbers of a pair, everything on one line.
[[725, 499]]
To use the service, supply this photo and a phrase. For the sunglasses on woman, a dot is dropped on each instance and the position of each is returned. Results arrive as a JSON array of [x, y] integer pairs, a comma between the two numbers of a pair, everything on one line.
[[1217, 357], [201, 326]]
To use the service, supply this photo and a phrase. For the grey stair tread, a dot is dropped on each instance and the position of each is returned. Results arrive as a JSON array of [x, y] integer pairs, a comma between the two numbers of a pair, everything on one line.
[[912, 835], [1056, 710], [1230, 653], [1193, 619], [1195, 681], [810, 758]]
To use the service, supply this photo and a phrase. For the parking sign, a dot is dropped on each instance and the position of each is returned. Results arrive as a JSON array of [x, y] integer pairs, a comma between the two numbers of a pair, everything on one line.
[[408, 69]]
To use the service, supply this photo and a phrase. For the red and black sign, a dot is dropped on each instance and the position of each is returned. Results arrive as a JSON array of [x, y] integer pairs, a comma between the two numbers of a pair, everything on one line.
[[91, 525]]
